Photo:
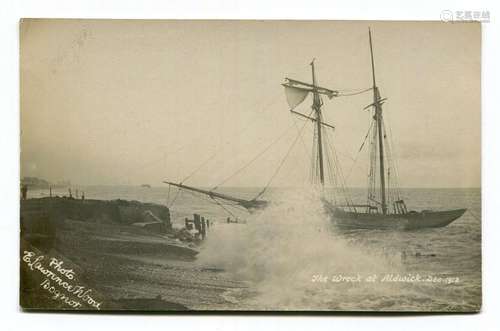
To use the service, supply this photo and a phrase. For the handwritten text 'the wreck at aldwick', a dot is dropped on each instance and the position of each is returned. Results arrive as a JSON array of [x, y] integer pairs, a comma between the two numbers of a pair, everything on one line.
[[383, 278]]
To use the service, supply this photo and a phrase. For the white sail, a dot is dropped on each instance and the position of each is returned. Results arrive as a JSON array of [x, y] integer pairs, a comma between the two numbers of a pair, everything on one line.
[[295, 95]]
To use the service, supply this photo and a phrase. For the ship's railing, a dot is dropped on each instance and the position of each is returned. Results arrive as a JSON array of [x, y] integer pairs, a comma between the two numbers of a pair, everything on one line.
[[349, 207], [399, 207]]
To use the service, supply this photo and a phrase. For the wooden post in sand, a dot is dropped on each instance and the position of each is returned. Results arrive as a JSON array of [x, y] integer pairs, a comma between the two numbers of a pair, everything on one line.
[[24, 192], [203, 228], [197, 221]]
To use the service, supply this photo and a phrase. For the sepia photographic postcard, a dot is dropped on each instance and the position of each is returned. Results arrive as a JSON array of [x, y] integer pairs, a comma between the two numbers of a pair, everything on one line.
[[246, 165]]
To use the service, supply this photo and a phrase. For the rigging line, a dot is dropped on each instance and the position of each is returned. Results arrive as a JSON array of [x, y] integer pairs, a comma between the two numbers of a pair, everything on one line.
[[240, 208], [359, 150], [175, 198], [343, 183], [282, 161], [234, 205], [199, 167], [342, 188], [314, 159], [374, 162], [254, 159], [199, 197], [301, 138], [168, 194], [473, 215], [394, 156], [332, 161], [339, 186], [372, 165], [331, 170], [266, 107], [213, 200], [391, 161], [220, 205], [346, 156], [180, 148], [390, 165], [367, 133], [342, 94], [227, 142], [307, 152]]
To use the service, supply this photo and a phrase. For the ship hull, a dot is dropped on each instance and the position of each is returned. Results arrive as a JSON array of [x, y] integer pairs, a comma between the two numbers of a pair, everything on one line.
[[409, 221]]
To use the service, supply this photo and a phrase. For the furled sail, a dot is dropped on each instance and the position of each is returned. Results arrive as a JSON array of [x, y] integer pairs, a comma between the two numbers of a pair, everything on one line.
[[295, 95]]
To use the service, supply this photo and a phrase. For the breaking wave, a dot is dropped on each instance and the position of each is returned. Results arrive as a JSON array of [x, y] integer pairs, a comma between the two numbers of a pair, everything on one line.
[[286, 251]]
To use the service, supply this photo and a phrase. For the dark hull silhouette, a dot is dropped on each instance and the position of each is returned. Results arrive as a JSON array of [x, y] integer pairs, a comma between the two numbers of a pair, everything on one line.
[[356, 220], [409, 221]]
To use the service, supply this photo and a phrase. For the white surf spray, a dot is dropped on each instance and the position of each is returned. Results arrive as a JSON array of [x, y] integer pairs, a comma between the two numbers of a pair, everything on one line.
[[285, 250]]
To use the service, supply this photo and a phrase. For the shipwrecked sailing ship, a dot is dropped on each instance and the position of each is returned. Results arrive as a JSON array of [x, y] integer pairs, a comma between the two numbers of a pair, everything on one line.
[[384, 208]]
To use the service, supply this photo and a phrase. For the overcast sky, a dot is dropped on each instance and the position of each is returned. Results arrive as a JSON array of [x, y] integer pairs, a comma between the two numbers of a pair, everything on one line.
[[131, 102]]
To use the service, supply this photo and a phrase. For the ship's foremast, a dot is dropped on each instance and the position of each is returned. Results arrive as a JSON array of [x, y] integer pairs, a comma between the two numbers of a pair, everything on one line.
[[317, 110]]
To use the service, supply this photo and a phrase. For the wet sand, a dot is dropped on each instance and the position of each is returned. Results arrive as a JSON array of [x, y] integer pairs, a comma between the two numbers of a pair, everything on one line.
[[125, 266]]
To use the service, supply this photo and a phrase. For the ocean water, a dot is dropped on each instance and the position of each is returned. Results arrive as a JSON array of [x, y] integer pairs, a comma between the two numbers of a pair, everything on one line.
[[290, 257]]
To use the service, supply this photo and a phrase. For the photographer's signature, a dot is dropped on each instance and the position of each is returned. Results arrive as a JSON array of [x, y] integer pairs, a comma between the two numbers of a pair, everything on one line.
[[60, 282]]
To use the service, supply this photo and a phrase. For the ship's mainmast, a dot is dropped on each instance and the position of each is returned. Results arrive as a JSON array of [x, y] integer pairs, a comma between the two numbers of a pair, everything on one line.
[[377, 103]]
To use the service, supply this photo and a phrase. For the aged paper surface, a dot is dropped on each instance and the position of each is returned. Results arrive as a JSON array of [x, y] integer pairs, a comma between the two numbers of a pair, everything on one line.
[[250, 165]]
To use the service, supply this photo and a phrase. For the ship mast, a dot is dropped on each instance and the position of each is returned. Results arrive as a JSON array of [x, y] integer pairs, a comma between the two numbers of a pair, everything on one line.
[[317, 109], [296, 92], [377, 102]]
